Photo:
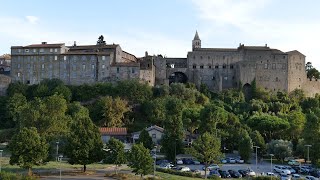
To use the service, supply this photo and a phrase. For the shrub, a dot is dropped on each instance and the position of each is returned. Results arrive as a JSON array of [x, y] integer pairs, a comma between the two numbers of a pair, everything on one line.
[[265, 178], [13, 176], [179, 173]]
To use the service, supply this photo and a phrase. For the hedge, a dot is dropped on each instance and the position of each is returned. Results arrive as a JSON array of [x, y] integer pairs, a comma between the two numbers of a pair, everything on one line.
[[179, 173]]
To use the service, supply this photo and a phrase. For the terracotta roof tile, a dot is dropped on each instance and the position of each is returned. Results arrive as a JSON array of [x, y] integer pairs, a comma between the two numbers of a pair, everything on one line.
[[113, 131]]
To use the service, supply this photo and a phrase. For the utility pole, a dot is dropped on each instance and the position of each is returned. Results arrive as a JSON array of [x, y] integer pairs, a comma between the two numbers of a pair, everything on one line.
[[256, 156], [57, 155], [308, 146]]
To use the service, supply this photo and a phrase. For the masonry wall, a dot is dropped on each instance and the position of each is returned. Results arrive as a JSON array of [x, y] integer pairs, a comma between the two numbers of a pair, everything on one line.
[[311, 88], [4, 84]]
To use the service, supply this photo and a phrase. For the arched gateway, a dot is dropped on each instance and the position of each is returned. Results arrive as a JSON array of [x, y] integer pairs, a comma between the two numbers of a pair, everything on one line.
[[178, 77]]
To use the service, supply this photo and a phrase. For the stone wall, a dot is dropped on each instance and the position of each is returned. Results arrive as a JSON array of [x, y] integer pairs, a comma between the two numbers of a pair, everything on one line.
[[311, 88], [4, 84]]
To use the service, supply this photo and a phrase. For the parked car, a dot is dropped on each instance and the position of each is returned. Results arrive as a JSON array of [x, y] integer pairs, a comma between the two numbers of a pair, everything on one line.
[[305, 169], [292, 171], [295, 176], [184, 169], [187, 161], [284, 176], [239, 161], [231, 160], [179, 161], [166, 166], [234, 174], [281, 169], [311, 178], [271, 174], [224, 161], [294, 163], [196, 171], [212, 167], [224, 174], [196, 162], [251, 172], [243, 172], [162, 161], [315, 173], [215, 173]]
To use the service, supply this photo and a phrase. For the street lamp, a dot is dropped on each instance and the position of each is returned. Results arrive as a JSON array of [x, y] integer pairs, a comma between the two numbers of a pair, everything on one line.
[[0, 158], [60, 159], [57, 155], [256, 156], [155, 159], [308, 146], [175, 152], [271, 155]]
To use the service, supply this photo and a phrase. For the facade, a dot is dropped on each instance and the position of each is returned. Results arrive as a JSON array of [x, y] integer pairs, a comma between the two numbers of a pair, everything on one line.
[[76, 65], [155, 133], [218, 68], [5, 64]]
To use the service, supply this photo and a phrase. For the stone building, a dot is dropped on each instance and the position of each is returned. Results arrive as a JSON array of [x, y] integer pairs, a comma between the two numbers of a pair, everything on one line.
[[75, 64], [5, 64], [224, 68]]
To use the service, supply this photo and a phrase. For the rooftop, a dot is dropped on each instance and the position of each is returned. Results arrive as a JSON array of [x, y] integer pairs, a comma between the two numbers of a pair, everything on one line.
[[113, 131]]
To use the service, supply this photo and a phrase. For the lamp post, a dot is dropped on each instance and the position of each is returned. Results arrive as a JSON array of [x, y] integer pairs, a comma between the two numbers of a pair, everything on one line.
[[175, 152], [0, 158], [57, 155], [308, 146], [271, 155], [155, 159], [60, 160], [256, 156]]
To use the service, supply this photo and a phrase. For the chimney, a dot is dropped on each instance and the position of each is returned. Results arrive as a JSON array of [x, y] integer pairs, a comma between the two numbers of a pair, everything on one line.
[[146, 54], [43, 42], [74, 43], [266, 45]]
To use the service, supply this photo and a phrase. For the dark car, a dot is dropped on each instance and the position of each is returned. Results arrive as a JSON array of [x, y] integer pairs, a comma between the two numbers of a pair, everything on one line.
[[297, 169], [315, 173], [243, 172], [162, 161], [187, 161], [234, 174], [214, 173], [224, 174]]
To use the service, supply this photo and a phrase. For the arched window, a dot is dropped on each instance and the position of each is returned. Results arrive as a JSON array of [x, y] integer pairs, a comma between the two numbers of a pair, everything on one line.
[[224, 66]]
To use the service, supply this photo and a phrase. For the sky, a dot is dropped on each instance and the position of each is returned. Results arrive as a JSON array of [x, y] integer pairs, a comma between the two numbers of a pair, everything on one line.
[[164, 27]]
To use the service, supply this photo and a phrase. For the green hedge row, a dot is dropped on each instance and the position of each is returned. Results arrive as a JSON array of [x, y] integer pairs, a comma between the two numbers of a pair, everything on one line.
[[13, 176], [179, 173]]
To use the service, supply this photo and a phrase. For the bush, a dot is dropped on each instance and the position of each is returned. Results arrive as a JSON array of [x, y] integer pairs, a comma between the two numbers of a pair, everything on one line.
[[214, 177], [265, 178], [179, 173], [13, 176]]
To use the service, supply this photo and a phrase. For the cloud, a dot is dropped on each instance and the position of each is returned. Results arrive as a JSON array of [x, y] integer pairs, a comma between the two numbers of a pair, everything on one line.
[[32, 19]]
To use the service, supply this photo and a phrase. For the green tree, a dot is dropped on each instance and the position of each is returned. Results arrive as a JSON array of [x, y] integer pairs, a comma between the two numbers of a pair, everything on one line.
[[113, 111], [145, 139], [115, 153], [245, 146], [313, 73], [17, 87], [297, 122], [280, 148], [140, 160], [134, 91], [311, 134], [84, 144], [15, 105], [206, 148], [191, 119], [28, 149], [210, 116], [258, 140]]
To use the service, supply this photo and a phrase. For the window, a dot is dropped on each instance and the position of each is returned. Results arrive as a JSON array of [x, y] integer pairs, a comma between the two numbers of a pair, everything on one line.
[[51, 50], [273, 66], [64, 58], [285, 57], [277, 79], [34, 50], [65, 67], [103, 66], [83, 67], [200, 57], [154, 136], [19, 50], [266, 66], [103, 58], [55, 58], [118, 69], [92, 66], [231, 66], [194, 66], [201, 67], [41, 50], [18, 74], [209, 66], [42, 66], [224, 66], [216, 66], [28, 66], [19, 66], [56, 50], [132, 70], [26, 50]]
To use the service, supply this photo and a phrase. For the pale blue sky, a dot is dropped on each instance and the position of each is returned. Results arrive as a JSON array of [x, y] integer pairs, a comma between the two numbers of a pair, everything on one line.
[[164, 27]]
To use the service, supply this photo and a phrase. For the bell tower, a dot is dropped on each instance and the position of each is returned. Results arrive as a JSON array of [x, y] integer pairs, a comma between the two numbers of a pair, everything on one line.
[[196, 42]]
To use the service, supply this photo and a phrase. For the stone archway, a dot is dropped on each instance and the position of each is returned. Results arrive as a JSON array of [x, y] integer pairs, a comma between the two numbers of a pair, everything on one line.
[[178, 77], [247, 91]]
